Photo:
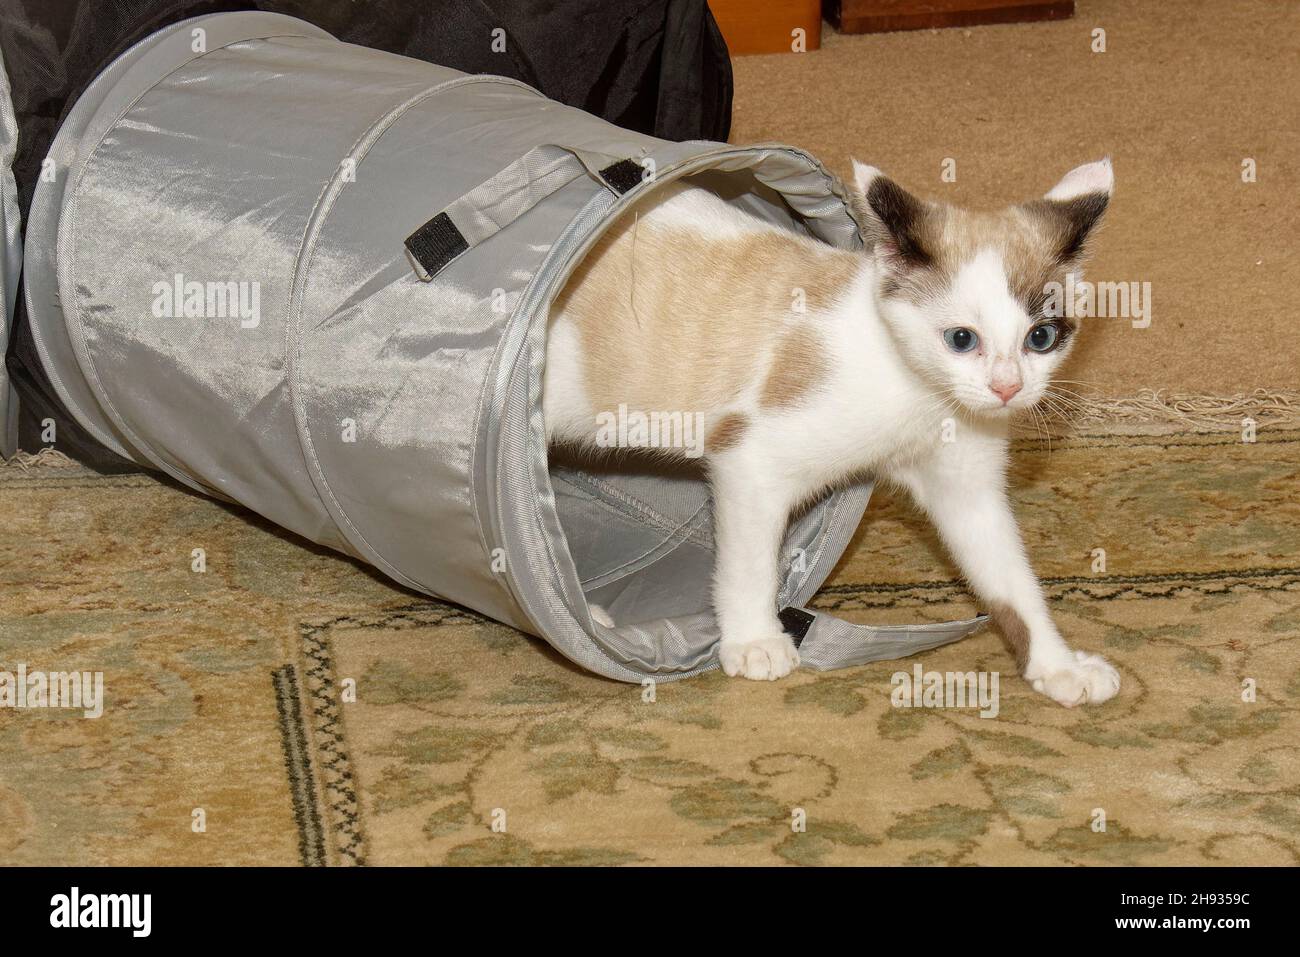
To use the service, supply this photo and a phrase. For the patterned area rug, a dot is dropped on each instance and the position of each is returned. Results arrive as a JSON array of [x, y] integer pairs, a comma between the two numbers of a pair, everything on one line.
[[229, 734]]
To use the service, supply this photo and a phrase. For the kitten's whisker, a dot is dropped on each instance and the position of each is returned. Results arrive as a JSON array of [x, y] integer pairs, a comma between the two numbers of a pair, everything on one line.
[[945, 400], [1060, 403], [946, 394], [1066, 395], [1058, 391], [1060, 406], [1093, 387], [1040, 424], [1066, 408]]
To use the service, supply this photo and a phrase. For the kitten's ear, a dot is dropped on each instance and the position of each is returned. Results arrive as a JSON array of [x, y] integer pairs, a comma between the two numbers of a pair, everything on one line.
[[1073, 207], [1089, 178], [897, 224]]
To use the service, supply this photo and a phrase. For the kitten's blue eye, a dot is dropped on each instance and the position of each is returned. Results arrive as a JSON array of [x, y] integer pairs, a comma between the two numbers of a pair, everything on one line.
[[960, 339], [1043, 338]]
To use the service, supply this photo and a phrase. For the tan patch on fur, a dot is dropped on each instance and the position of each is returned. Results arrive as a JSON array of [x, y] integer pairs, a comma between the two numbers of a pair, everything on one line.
[[795, 370], [673, 320], [1014, 630], [727, 433]]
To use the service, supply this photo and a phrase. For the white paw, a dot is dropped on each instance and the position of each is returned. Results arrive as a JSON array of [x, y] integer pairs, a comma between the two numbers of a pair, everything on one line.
[[1089, 679], [601, 616], [764, 659]]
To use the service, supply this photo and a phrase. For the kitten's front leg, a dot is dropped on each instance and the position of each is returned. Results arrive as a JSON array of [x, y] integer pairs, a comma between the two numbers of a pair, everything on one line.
[[751, 509], [962, 489]]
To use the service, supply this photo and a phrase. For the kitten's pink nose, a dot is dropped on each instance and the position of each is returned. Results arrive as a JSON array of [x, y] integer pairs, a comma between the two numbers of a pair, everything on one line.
[[1006, 391]]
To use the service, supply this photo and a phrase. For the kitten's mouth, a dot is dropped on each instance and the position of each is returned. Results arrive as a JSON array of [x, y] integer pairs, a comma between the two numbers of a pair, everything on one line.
[[995, 408], [983, 402], [998, 412], [1019, 404]]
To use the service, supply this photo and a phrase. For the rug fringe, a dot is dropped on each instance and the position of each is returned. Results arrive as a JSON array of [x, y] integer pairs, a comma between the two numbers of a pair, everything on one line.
[[1188, 410], [45, 458]]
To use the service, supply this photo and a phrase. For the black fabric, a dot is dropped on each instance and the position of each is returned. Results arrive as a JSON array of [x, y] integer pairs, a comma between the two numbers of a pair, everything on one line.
[[796, 622], [655, 66], [436, 243], [622, 176]]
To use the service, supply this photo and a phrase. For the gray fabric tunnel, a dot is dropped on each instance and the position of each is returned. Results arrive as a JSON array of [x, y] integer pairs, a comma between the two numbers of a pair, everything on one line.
[[314, 279]]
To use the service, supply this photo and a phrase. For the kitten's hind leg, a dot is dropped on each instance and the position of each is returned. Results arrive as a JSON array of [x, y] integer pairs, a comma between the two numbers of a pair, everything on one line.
[[751, 510]]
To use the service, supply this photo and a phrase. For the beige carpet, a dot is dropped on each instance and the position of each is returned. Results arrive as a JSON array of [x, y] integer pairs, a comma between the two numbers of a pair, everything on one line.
[[1185, 90]]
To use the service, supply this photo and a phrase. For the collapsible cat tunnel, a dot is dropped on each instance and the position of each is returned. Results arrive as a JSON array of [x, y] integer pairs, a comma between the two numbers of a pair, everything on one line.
[[314, 279]]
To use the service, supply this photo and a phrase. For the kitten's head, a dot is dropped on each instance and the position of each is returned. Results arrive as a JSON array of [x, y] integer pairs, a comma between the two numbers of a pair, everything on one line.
[[966, 293]]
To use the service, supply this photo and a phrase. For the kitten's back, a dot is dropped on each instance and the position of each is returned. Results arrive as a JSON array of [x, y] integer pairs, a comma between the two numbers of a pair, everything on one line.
[[681, 306]]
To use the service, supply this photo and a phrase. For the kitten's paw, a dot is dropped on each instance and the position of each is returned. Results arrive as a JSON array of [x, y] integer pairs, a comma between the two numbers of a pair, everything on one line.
[[764, 659], [1089, 679], [601, 616]]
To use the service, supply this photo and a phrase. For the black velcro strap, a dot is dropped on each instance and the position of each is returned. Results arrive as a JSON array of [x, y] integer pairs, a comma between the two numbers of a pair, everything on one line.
[[436, 243], [796, 623], [622, 176]]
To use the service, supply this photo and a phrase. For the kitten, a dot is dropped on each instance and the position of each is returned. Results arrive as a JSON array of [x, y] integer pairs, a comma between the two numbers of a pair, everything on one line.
[[688, 306]]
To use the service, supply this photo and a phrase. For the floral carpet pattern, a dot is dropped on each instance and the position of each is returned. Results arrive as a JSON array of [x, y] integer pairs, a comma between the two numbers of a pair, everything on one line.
[[318, 715]]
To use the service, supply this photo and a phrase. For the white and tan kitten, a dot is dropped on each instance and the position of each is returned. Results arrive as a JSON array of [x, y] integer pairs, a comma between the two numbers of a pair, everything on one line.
[[687, 306]]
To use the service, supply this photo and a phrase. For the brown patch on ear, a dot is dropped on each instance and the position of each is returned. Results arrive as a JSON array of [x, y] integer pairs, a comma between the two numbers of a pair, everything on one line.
[[1039, 242], [1033, 238], [1067, 224], [1014, 630], [907, 221], [727, 433], [1030, 266], [795, 369]]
